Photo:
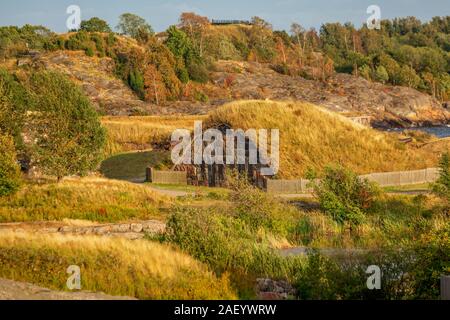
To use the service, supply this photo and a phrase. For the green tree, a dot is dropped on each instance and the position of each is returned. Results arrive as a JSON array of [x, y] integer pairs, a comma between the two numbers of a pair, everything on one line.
[[10, 176], [381, 75], [179, 43], [181, 46], [196, 27], [136, 82], [261, 39], [365, 72], [408, 77], [134, 26], [67, 134], [95, 25]]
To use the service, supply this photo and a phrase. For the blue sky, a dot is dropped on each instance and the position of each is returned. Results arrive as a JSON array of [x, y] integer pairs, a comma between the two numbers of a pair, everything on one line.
[[162, 13]]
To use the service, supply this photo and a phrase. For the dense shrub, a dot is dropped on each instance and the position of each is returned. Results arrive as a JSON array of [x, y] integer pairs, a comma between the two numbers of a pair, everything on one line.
[[15, 40], [344, 196], [10, 176], [442, 185], [259, 209], [406, 273], [198, 72], [224, 242], [13, 103], [432, 261]]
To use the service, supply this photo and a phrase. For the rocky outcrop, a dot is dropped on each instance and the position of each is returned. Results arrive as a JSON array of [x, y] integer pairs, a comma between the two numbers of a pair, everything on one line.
[[109, 94], [131, 231], [13, 290], [355, 96], [268, 289]]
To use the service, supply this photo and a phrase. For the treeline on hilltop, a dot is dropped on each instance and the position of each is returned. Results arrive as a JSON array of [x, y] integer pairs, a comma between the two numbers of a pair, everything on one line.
[[166, 66]]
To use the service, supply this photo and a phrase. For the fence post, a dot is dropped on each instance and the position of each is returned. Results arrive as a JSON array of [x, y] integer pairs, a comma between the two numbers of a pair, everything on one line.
[[149, 174], [445, 287]]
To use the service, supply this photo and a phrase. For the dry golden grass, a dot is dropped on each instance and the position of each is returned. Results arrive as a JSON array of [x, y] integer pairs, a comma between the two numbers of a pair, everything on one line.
[[312, 138], [139, 133], [141, 269], [230, 31], [93, 199]]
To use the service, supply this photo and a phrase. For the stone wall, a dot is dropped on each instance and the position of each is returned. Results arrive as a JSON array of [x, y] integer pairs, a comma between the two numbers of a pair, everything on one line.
[[131, 231]]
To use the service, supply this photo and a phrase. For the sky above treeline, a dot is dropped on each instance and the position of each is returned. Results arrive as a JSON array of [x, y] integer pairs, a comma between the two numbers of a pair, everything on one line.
[[163, 13]]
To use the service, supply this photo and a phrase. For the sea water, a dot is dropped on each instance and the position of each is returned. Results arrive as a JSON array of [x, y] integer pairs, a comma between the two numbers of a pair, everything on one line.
[[441, 132]]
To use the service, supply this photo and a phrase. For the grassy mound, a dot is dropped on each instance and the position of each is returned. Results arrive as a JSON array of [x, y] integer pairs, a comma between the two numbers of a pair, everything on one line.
[[92, 199], [312, 138], [140, 269]]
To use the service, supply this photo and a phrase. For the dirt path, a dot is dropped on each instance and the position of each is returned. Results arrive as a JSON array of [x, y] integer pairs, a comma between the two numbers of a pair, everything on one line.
[[303, 251], [13, 290], [171, 193]]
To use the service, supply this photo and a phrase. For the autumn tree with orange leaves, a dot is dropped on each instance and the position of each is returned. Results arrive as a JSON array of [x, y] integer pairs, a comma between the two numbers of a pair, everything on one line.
[[195, 26], [155, 89]]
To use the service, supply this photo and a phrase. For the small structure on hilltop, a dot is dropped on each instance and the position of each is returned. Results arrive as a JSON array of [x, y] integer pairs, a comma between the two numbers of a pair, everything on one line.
[[363, 120], [228, 22]]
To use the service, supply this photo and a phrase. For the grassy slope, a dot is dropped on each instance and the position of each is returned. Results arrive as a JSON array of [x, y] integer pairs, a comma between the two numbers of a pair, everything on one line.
[[92, 199], [311, 137], [142, 269], [139, 133]]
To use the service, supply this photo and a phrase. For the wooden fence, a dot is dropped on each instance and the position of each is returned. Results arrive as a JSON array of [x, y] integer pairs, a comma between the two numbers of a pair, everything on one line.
[[166, 177], [227, 22], [385, 179], [288, 186], [402, 178]]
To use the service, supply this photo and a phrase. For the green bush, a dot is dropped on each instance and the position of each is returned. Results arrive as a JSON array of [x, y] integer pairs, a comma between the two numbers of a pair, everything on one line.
[[198, 72], [90, 52], [136, 82], [225, 243], [259, 209], [432, 260], [13, 103], [442, 186], [228, 245], [406, 273], [15, 40], [10, 176], [344, 196], [323, 278]]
